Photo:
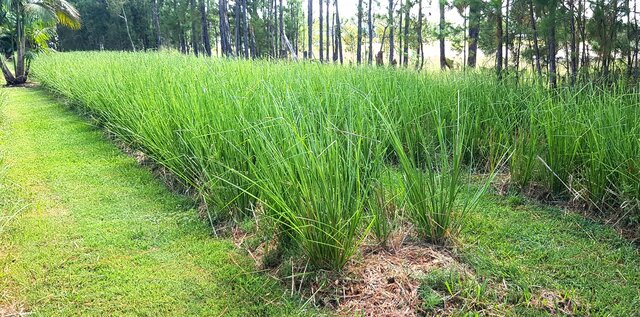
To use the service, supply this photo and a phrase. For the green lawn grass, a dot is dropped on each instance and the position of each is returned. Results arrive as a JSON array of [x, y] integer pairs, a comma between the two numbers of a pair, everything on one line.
[[100, 236], [532, 249]]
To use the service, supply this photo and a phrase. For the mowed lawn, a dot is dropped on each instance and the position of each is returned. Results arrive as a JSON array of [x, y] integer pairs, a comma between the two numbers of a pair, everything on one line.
[[88, 232]]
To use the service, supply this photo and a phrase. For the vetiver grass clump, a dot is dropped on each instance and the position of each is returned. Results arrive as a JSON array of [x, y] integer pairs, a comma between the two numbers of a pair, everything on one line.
[[314, 172], [310, 142], [433, 176]]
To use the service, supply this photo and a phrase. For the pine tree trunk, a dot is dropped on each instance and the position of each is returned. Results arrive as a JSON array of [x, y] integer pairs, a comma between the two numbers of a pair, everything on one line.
[[225, 33], [274, 28], [379, 55], [321, 33], [194, 37], [506, 40], [156, 22], [245, 29], [443, 58], [254, 50], [294, 19], [552, 46], [181, 44], [419, 62], [464, 41], [310, 29], [391, 31], [216, 45], [517, 57], [400, 33], [281, 50], [370, 27], [574, 53], [338, 32], [405, 49], [327, 28], [183, 41], [536, 47], [609, 47], [629, 39], [580, 25], [334, 39], [359, 39], [205, 28], [499, 37], [269, 25], [474, 32], [636, 72], [276, 31], [236, 27]]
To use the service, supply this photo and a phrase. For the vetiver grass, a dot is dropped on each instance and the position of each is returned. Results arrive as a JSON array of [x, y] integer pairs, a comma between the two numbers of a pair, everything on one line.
[[213, 123], [433, 177], [198, 118], [100, 236]]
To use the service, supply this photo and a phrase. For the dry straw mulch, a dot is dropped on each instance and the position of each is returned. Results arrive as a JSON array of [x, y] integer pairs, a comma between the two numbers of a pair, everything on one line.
[[378, 282], [387, 281]]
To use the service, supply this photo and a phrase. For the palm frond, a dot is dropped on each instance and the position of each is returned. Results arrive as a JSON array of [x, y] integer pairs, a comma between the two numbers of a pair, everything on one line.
[[41, 37], [67, 14], [59, 11], [64, 18], [38, 11]]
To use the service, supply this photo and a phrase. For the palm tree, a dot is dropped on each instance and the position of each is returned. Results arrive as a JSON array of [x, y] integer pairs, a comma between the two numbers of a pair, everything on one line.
[[31, 24]]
